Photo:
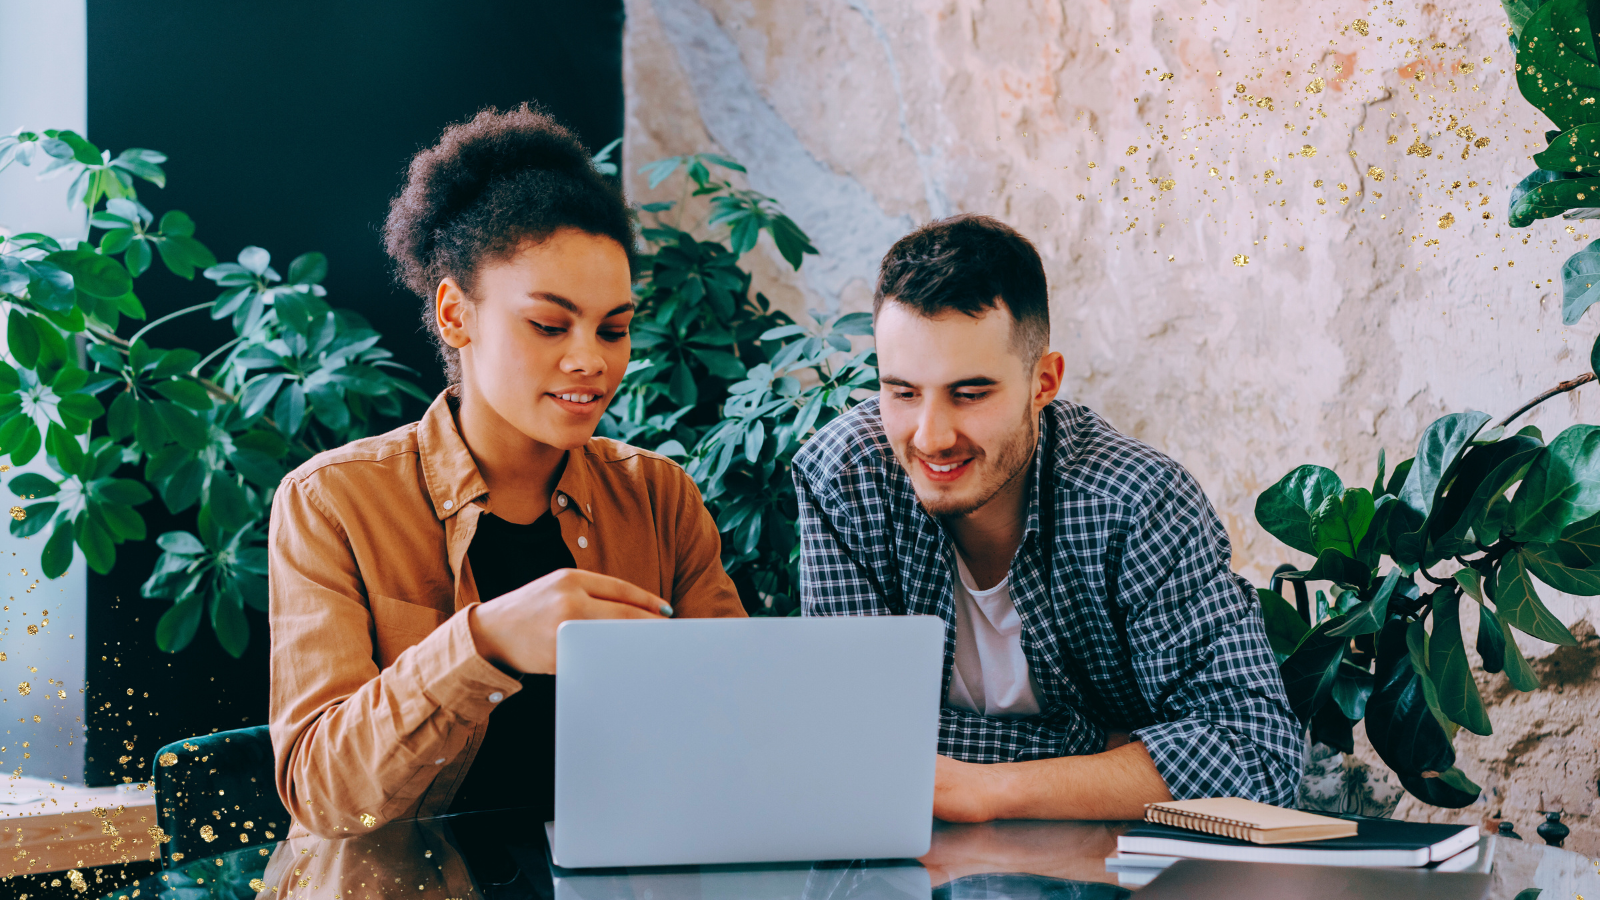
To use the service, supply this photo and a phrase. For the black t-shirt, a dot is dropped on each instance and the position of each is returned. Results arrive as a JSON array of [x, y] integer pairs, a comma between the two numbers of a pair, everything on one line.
[[516, 764]]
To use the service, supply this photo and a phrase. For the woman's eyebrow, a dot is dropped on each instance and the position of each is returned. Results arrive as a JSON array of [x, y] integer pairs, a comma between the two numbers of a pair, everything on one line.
[[571, 307]]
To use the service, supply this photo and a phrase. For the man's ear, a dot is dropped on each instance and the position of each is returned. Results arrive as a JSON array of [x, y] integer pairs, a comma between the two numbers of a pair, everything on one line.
[[452, 312], [1047, 377]]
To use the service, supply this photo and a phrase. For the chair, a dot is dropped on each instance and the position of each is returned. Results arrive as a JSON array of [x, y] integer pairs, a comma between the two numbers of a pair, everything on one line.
[[216, 793]]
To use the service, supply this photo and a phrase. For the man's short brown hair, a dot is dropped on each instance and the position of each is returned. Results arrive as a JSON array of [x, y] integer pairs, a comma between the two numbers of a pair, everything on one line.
[[970, 264]]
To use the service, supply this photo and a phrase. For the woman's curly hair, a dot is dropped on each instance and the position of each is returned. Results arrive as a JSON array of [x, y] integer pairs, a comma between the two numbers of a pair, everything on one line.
[[489, 186]]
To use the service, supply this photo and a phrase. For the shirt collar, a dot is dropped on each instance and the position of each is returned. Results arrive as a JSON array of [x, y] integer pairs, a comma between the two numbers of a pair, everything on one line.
[[453, 479]]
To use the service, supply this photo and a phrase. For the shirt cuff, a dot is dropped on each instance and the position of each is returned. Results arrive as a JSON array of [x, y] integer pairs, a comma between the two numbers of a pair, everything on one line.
[[451, 673]]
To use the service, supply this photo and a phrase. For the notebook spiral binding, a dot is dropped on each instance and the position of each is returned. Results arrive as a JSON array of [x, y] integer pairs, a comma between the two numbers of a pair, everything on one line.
[[1231, 828]]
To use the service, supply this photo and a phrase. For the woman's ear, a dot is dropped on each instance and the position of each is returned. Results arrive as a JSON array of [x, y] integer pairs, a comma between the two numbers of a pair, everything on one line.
[[452, 313]]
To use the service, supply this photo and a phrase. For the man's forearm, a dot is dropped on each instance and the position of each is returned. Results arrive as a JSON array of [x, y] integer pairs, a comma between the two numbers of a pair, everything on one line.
[[1115, 784]]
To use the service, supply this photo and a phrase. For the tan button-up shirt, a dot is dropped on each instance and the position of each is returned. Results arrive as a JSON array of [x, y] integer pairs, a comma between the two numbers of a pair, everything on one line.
[[379, 697]]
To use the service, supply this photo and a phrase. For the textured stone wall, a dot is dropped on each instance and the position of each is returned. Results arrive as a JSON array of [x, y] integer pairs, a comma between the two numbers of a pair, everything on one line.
[[1234, 280]]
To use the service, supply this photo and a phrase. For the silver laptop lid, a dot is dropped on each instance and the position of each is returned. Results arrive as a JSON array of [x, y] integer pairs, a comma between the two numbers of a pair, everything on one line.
[[704, 741]]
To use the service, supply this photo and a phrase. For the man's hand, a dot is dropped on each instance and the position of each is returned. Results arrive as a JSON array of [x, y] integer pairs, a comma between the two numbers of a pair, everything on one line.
[[518, 630], [1112, 785]]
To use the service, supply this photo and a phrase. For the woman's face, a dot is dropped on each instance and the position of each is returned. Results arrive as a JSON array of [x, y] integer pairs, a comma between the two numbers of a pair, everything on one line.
[[544, 336]]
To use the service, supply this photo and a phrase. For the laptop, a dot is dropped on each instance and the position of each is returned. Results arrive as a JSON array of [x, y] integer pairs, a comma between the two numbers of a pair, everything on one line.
[[710, 741]]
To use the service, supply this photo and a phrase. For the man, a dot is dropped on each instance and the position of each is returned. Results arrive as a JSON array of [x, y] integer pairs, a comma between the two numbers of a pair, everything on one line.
[[1100, 655]]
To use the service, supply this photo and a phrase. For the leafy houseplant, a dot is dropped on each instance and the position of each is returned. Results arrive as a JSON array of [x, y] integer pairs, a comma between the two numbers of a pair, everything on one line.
[[1506, 510], [120, 420], [726, 384]]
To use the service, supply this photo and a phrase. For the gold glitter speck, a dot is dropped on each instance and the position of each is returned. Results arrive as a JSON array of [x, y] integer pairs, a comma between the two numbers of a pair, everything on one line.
[[1468, 67], [1361, 27], [1168, 183], [1418, 148], [24, 689], [167, 759], [1480, 143], [18, 513], [368, 819], [33, 629], [1308, 151], [257, 885], [1316, 85], [1375, 173], [207, 833], [1239, 259], [1446, 220], [1165, 76], [1238, 88], [1132, 149]]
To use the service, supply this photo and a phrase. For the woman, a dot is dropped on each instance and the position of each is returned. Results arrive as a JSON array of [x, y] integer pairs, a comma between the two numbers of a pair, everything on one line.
[[418, 577]]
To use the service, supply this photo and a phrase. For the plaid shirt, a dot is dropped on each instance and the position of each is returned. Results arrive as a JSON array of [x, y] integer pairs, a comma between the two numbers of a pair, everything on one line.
[[1131, 618]]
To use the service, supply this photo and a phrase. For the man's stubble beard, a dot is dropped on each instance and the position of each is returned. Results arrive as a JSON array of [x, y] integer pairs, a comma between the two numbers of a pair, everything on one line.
[[1010, 463]]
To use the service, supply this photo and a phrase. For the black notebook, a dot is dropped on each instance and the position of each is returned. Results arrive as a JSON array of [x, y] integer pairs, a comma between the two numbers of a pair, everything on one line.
[[1378, 842]]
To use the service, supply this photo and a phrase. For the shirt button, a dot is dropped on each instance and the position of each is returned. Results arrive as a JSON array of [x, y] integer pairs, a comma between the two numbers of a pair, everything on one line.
[[449, 504], [496, 697], [583, 542], [561, 499], [439, 761]]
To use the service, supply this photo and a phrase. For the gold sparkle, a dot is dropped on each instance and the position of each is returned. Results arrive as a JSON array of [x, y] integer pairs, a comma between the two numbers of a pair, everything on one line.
[[368, 819], [18, 513], [1446, 220], [1418, 148], [1375, 173], [1168, 183], [1238, 88], [1360, 26], [1132, 149], [207, 833], [33, 629], [1308, 151], [1316, 85], [257, 885], [1239, 259], [1468, 67], [24, 689], [1480, 143]]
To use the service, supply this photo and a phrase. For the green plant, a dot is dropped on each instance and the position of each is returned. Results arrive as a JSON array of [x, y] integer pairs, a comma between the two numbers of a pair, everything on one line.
[[1558, 71], [725, 383], [215, 431], [1503, 511]]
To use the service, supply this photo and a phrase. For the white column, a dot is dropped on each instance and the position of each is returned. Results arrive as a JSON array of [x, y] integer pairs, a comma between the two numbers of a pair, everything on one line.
[[43, 84]]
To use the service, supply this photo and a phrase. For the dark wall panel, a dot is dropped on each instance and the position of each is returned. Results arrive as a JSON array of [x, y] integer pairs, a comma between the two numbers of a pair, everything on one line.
[[288, 125]]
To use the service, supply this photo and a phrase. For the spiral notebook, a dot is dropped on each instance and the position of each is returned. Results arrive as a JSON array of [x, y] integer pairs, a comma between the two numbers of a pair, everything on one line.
[[1247, 820]]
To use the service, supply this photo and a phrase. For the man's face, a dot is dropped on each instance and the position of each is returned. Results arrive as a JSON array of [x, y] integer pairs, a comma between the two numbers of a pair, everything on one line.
[[960, 406]]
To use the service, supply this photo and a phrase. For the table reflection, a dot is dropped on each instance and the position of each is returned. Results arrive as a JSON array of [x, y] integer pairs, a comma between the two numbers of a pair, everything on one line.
[[502, 856]]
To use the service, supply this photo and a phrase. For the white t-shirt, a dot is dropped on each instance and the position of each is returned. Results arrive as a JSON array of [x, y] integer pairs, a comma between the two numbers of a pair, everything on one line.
[[991, 675]]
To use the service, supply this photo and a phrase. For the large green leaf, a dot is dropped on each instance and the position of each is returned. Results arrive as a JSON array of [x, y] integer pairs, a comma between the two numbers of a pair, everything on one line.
[[1560, 488], [1285, 509], [93, 274], [1368, 616], [31, 484], [1452, 673], [1491, 640], [1546, 563], [1518, 604], [1352, 689], [1340, 522], [98, 549], [1582, 540], [1308, 673], [1554, 198], [1438, 451], [1285, 628], [57, 555], [1558, 70], [1402, 727], [22, 339], [1334, 566], [227, 619], [177, 625], [1580, 280], [1457, 528]]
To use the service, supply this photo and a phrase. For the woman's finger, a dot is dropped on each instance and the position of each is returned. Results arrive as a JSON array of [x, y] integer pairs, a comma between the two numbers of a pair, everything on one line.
[[605, 587]]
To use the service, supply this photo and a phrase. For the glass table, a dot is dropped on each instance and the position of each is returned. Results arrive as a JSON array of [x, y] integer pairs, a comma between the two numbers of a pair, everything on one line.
[[502, 856]]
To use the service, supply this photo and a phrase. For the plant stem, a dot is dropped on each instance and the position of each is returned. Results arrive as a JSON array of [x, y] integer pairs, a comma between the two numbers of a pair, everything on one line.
[[169, 317], [1561, 388], [213, 355]]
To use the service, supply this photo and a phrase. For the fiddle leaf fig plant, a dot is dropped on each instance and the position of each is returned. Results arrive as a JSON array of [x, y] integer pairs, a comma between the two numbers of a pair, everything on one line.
[[1472, 525], [121, 421]]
